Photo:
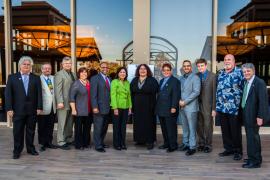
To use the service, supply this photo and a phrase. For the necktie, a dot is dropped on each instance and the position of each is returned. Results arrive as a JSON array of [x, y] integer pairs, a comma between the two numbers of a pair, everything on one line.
[[243, 103], [163, 84], [107, 83], [25, 82], [71, 75], [49, 83]]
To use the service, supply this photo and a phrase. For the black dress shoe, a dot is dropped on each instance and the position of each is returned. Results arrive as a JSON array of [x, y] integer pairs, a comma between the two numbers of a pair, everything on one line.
[[102, 150], [225, 153], [246, 160], [207, 149], [171, 150], [183, 147], [251, 165], [190, 152], [200, 148], [237, 156], [64, 147], [51, 146], [33, 152], [150, 146], [163, 146], [16, 156], [118, 148], [105, 146], [42, 148], [124, 147]]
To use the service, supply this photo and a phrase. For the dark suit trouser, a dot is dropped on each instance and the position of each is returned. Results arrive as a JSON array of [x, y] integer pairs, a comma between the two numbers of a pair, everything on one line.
[[253, 145], [119, 128], [23, 123], [45, 128], [205, 129], [231, 132], [82, 131], [100, 128], [169, 131]]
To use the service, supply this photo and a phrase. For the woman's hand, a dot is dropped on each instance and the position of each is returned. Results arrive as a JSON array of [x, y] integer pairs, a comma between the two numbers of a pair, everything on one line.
[[115, 112]]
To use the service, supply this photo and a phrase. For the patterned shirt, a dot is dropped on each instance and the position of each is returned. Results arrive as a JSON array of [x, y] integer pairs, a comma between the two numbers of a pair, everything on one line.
[[229, 91]]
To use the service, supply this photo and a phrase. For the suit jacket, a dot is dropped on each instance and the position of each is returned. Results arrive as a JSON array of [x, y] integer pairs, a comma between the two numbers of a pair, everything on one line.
[[18, 100], [190, 90], [168, 97], [47, 97], [256, 103], [100, 94], [207, 98], [62, 83]]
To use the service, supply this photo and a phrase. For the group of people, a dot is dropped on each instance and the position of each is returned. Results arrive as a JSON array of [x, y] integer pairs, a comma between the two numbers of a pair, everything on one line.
[[196, 98]]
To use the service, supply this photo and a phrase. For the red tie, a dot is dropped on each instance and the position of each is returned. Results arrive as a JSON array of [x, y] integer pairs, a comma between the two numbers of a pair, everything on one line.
[[107, 83]]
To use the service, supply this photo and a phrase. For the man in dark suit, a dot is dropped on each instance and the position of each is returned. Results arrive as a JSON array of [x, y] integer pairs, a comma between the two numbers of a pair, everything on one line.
[[255, 113], [167, 108], [207, 106], [100, 100], [23, 102]]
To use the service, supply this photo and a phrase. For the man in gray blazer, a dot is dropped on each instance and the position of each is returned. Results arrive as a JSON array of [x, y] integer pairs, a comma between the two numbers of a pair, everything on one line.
[[100, 100], [190, 90], [47, 116], [62, 83], [207, 106]]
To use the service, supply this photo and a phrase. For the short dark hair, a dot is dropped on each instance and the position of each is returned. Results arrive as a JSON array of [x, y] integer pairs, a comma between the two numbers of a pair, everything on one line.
[[187, 61], [82, 69], [167, 65], [201, 60], [118, 71], [149, 73]]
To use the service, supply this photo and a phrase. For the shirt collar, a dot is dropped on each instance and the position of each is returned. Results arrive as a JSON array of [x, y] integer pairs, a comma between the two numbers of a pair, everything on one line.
[[251, 80], [25, 73]]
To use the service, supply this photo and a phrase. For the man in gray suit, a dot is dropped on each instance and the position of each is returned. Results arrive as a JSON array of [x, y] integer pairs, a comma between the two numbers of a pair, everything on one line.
[[62, 83], [207, 106], [190, 90], [100, 100]]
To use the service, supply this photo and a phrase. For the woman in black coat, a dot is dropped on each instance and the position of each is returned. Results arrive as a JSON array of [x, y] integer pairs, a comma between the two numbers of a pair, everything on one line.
[[143, 92]]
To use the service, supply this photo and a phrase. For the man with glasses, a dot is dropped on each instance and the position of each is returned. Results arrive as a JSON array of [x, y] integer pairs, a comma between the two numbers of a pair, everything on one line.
[[190, 90], [62, 83], [23, 103], [100, 100]]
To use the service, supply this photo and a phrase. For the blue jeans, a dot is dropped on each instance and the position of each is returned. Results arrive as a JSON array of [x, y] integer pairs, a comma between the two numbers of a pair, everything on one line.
[[189, 124]]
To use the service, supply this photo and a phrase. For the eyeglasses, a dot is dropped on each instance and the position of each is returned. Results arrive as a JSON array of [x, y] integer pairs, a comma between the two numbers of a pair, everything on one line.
[[26, 64], [166, 70], [104, 67]]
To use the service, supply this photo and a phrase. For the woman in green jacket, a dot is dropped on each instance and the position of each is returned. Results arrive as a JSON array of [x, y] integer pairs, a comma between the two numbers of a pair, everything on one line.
[[121, 105]]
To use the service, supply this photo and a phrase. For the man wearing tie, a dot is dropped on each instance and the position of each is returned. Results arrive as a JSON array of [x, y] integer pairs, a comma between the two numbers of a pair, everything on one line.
[[46, 118], [23, 96], [62, 82], [100, 100], [255, 113]]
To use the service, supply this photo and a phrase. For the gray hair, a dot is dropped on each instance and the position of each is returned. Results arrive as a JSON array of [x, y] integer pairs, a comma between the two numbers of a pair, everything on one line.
[[25, 58], [248, 66], [42, 66], [66, 58]]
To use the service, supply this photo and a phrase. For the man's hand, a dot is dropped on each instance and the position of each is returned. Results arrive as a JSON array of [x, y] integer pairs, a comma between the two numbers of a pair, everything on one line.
[[60, 106], [259, 121], [116, 112], [39, 112], [182, 103], [74, 112], [10, 113], [173, 110], [129, 111], [214, 113], [95, 110]]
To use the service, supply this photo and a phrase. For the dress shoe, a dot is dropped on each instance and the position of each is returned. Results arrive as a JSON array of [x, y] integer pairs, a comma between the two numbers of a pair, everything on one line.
[[139, 144], [237, 156], [105, 146], [246, 160], [190, 152], [183, 147], [42, 148], [51, 146], [251, 165], [64, 147], [118, 148], [163, 146], [33, 152], [124, 147], [171, 150], [16, 156], [207, 149], [225, 153], [102, 150], [150, 146], [200, 148]]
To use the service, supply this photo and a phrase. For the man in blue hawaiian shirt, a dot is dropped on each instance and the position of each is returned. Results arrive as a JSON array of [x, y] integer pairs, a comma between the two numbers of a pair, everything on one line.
[[230, 84]]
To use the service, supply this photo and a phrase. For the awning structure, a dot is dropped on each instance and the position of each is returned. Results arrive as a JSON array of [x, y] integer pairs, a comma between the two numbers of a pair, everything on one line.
[[58, 38]]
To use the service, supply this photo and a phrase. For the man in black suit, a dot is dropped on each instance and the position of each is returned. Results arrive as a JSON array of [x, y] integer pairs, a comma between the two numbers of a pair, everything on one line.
[[167, 108], [255, 113], [23, 102]]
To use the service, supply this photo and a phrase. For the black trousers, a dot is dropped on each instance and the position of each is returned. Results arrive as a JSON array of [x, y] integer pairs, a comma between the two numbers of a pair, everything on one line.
[[253, 144], [101, 122], [231, 132], [21, 124], [83, 131], [119, 128], [45, 128], [169, 131]]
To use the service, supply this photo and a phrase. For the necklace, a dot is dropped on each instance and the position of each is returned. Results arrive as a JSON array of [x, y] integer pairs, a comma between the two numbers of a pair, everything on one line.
[[84, 82]]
